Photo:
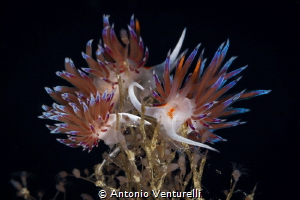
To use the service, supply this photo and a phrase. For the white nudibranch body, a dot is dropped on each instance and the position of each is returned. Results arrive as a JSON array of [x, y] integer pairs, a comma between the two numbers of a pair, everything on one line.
[[171, 116]]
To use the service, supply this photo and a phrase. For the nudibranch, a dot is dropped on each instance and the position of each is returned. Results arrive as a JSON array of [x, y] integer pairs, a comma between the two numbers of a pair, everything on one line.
[[86, 114], [87, 110], [195, 100], [125, 59]]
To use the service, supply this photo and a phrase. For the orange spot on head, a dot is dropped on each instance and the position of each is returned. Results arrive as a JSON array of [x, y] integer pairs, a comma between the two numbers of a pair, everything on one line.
[[170, 113]]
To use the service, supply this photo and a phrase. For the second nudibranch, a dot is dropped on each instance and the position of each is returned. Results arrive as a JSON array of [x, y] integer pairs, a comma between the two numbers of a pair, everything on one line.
[[125, 59], [196, 100]]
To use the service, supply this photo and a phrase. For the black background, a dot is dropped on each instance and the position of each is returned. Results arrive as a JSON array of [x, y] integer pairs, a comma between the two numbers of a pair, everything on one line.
[[36, 37]]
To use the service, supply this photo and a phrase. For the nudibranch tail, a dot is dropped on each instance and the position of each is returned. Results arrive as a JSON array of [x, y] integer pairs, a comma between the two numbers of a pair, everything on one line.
[[173, 58]]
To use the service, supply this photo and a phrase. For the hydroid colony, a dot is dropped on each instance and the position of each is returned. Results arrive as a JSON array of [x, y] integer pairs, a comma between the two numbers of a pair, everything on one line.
[[155, 121]]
